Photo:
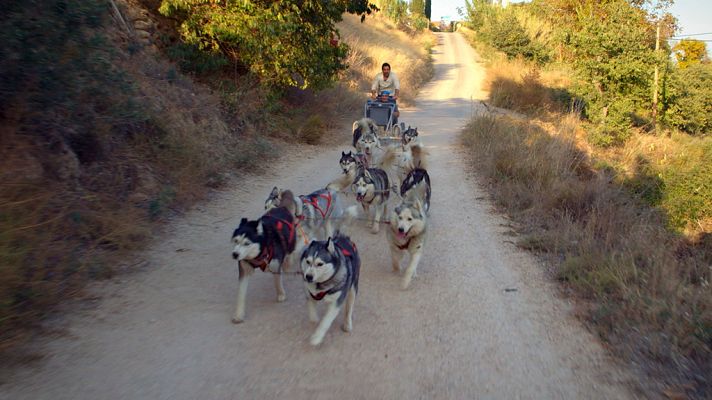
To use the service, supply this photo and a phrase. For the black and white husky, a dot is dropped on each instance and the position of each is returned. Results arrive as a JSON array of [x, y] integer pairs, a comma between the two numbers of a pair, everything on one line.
[[409, 137], [330, 270], [408, 223], [265, 243], [318, 211]]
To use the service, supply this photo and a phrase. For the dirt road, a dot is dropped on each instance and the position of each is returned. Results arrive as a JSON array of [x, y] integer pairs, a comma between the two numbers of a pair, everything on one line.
[[165, 332]]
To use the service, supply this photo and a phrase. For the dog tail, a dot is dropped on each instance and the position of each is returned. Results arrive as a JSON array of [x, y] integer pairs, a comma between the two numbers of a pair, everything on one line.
[[339, 184], [350, 214], [419, 156], [389, 158]]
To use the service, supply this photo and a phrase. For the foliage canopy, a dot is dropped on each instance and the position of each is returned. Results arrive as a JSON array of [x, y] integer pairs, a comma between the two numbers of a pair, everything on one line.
[[285, 43]]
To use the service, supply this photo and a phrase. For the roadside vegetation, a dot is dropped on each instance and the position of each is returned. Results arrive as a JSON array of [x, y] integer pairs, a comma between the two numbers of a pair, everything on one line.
[[113, 119], [614, 192]]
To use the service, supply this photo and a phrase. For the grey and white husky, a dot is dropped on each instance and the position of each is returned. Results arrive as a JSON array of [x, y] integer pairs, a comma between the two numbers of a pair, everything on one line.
[[408, 223], [267, 244], [362, 126], [330, 270], [409, 136], [372, 189], [318, 211]]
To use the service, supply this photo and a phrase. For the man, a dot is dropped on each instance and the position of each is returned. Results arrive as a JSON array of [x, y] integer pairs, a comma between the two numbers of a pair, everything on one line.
[[387, 81]]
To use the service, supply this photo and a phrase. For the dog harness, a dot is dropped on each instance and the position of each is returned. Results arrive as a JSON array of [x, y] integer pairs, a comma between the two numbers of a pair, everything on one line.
[[346, 253], [314, 201], [267, 253], [405, 246]]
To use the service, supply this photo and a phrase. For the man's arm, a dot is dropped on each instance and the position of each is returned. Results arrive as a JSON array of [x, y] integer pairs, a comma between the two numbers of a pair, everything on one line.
[[396, 86]]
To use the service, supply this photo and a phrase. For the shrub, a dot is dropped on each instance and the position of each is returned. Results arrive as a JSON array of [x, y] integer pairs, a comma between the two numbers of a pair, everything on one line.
[[688, 99], [312, 130]]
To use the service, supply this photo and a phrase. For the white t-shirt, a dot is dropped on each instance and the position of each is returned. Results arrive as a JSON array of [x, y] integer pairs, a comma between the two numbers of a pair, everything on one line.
[[392, 84]]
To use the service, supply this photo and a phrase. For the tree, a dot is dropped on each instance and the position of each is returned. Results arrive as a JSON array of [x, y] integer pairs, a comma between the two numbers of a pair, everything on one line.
[[690, 51], [612, 50], [417, 7], [428, 9], [285, 43]]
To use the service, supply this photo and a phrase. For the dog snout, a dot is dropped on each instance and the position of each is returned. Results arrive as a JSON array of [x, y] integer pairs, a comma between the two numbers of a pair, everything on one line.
[[235, 255], [400, 229], [309, 277]]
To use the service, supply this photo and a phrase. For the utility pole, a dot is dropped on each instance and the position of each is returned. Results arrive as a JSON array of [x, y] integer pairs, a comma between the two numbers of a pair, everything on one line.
[[655, 79]]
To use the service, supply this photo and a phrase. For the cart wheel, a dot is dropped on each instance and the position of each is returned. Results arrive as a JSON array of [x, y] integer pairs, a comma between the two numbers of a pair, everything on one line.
[[396, 131]]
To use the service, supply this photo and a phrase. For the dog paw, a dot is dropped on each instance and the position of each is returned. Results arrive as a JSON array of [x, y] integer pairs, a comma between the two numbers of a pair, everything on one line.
[[346, 328], [316, 340], [396, 268], [281, 298], [236, 320], [405, 284], [375, 229]]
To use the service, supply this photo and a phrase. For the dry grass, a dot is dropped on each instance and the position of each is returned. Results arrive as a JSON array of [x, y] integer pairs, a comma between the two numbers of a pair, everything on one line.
[[66, 218], [648, 288], [522, 86], [378, 40]]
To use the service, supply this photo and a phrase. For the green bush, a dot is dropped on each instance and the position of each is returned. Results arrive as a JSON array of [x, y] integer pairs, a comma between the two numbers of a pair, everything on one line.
[[688, 99], [285, 43], [191, 59], [688, 184]]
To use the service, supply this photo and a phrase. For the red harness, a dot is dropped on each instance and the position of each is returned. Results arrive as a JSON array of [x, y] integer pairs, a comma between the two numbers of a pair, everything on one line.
[[267, 253], [314, 201], [263, 260], [319, 295]]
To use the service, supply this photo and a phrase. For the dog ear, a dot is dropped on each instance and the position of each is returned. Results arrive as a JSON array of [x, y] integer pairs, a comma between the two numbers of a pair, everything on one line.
[[242, 222], [418, 206], [260, 229], [330, 245], [416, 132], [398, 208], [275, 192]]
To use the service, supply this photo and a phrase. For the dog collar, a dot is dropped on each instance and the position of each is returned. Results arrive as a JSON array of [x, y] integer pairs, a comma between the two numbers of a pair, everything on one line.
[[405, 246], [263, 260], [319, 295]]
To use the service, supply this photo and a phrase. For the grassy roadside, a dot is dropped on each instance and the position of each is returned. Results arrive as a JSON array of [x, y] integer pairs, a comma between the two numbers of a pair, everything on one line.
[[626, 228], [81, 191]]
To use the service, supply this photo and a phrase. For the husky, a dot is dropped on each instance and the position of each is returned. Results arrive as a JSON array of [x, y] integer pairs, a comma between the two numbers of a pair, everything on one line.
[[416, 185], [362, 126], [413, 151], [408, 223], [372, 189], [315, 211], [330, 270], [409, 137], [351, 164], [265, 243], [367, 144]]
